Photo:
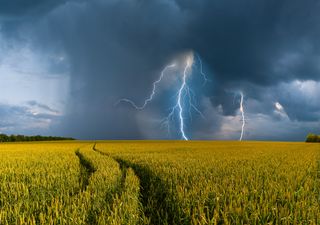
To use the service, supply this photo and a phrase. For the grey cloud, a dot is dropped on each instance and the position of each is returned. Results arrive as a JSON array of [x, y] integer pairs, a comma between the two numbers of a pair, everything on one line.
[[117, 48], [41, 106], [20, 119]]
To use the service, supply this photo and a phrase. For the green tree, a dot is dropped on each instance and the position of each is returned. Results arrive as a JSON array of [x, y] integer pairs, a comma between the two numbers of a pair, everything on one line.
[[313, 138]]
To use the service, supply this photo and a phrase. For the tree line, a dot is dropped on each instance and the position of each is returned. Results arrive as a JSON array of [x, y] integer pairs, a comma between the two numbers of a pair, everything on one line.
[[313, 138], [22, 138]]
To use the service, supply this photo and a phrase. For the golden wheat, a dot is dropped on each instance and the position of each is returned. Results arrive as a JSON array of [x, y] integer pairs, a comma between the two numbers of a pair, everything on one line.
[[154, 182]]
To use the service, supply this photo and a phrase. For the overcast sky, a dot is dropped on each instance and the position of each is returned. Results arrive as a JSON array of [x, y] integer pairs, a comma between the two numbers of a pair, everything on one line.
[[65, 63]]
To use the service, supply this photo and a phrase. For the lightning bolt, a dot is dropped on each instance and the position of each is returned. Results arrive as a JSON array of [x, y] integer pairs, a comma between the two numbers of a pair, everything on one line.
[[150, 98], [242, 115], [184, 98], [179, 103], [205, 78]]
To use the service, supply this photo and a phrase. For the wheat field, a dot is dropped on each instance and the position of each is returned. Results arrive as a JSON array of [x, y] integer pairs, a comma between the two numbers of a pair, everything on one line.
[[159, 182]]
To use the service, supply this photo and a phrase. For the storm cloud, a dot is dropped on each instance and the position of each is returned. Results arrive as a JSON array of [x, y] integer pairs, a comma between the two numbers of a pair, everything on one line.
[[269, 50]]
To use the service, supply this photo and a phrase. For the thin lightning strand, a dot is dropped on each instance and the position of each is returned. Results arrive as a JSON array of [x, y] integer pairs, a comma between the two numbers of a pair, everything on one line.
[[149, 99], [191, 97], [242, 114], [205, 78]]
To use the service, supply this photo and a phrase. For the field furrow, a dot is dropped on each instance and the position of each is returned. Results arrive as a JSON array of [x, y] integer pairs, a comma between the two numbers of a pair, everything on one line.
[[225, 182], [140, 183], [86, 170], [114, 191], [156, 197], [129, 192]]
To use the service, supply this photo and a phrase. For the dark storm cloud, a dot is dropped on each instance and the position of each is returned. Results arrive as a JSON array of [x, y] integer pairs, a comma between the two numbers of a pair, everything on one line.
[[117, 48], [17, 8], [257, 41], [114, 51]]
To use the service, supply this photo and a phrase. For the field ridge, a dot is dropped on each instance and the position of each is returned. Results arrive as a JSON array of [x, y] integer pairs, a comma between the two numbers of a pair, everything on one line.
[[122, 180], [154, 194], [124, 199]]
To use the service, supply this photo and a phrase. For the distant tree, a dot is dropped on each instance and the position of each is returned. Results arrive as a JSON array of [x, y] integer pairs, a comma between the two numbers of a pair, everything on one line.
[[21, 138], [4, 138], [313, 138], [12, 138]]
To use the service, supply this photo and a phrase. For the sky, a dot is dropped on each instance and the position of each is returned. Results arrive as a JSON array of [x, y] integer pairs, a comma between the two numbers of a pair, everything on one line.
[[65, 64]]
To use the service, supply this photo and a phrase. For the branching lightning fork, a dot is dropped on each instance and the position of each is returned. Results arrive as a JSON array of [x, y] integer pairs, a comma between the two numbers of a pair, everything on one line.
[[149, 99], [185, 97], [179, 104]]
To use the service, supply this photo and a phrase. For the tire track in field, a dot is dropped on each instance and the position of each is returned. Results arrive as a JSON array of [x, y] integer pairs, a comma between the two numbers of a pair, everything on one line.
[[157, 198], [86, 170]]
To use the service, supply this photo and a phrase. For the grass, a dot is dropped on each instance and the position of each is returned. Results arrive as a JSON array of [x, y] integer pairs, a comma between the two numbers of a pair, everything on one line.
[[167, 182]]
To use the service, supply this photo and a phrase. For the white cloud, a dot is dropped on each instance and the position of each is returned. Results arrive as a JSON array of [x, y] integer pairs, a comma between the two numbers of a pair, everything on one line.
[[26, 74], [279, 110]]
